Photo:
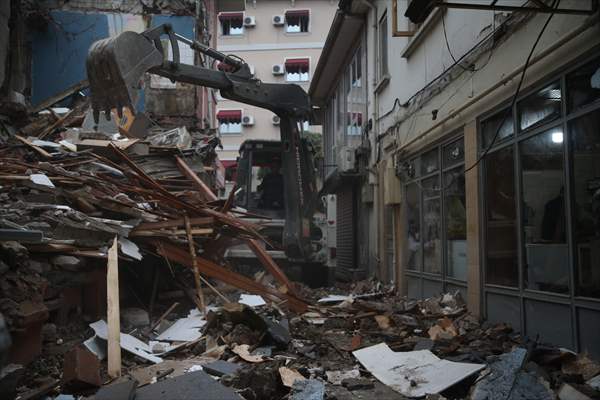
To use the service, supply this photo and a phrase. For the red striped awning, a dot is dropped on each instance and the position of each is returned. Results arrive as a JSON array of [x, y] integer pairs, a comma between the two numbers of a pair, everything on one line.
[[296, 62], [229, 114], [356, 116], [225, 16], [297, 13]]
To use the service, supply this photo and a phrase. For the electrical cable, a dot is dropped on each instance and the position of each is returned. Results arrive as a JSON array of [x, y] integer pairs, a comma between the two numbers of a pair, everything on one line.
[[488, 36], [472, 67], [555, 4]]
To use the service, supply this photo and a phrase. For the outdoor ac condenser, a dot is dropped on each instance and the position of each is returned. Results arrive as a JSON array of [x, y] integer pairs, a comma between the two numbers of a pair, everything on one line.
[[278, 69], [346, 159]]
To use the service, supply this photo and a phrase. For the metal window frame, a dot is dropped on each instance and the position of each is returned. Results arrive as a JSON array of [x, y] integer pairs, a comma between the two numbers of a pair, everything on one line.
[[443, 278], [523, 294]]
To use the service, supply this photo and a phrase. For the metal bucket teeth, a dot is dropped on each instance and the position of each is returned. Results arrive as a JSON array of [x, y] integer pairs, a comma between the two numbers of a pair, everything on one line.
[[115, 67]]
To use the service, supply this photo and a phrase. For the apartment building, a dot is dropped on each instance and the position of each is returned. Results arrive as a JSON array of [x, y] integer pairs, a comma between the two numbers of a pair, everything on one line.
[[476, 163], [281, 40]]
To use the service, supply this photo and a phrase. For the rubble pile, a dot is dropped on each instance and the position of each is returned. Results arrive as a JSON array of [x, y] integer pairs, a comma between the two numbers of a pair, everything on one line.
[[68, 189], [78, 203]]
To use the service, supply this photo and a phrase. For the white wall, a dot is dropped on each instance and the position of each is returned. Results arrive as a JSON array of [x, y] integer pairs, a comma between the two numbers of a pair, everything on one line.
[[430, 57]]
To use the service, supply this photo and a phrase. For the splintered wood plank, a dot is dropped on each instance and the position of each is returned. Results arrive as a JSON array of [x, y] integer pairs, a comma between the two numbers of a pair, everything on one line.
[[113, 314], [190, 239]]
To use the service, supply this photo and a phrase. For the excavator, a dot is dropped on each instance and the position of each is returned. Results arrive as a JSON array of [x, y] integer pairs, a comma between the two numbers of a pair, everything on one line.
[[116, 65]]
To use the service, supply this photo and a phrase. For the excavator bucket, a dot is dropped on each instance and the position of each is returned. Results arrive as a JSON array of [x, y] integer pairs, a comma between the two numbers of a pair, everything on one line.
[[115, 67]]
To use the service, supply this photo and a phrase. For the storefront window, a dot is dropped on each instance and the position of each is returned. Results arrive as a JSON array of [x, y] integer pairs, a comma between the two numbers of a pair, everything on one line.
[[583, 86], [501, 235], [436, 213], [455, 213], [413, 226], [431, 236], [585, 142], [499, 126], [540, 107], [546, 258]]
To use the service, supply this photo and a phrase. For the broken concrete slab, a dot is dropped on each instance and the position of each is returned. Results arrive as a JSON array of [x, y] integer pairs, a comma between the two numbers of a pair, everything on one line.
[[353, 384], [413, 373], [190, 386], [221, 368], [336, 377], [309, 389], [425, 344], [499, 377], [118, 391]]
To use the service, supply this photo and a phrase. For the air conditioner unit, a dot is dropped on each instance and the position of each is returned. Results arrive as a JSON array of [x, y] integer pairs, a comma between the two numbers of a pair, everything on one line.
[[249, 21], [278, 20], [346, 159], [276, 120], [247, 120], [278, 69]]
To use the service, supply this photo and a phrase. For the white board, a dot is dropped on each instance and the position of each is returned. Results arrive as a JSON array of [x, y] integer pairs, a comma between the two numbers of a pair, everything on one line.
[[413, 373]]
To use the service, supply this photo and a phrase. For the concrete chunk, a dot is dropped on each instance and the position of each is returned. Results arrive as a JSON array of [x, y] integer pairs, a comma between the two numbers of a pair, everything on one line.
[[191, 386]]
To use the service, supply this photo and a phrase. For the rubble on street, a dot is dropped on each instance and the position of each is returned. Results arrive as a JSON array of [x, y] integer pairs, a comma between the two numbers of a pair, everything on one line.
[[227, 334]]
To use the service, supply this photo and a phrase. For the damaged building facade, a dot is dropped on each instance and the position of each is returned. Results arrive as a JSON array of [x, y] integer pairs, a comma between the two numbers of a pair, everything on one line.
[[463, 147], [49, 41]]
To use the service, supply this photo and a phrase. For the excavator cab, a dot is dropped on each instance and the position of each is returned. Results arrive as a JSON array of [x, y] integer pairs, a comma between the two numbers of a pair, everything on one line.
[[259, 180]]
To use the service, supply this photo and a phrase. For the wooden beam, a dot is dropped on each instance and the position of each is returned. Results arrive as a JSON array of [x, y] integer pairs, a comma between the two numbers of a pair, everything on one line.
[[113, 313], [212, 270], [270, 264], [50, 101], [175, 223], [190, 238], [191, 175], [41, 151]]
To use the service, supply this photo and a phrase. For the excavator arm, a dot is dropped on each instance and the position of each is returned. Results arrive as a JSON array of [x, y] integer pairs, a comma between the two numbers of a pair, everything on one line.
[[116, 65]]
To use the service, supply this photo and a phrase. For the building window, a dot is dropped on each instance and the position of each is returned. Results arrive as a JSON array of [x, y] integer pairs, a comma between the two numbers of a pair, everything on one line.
[[230, 121], [355, 97], [354, 126], [383, 47], [542, 187], [296, 70], [232, 23], [296, 21], [436, 226]]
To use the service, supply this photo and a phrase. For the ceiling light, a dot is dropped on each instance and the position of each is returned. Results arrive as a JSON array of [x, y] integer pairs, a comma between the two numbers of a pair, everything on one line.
[[557, 137]]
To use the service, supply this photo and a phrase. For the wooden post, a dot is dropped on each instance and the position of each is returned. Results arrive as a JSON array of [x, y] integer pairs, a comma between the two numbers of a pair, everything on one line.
[[188, 229], [113, 314]]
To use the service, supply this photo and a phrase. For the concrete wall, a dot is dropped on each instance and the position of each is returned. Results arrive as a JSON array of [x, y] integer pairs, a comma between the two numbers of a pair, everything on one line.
[[264, 45], [464, 28]]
